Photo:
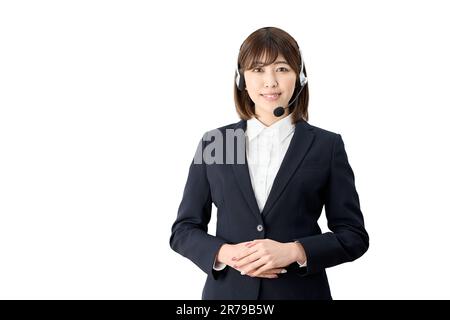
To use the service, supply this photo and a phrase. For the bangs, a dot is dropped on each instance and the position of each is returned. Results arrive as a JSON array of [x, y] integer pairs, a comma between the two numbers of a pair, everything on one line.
[[262, 54]]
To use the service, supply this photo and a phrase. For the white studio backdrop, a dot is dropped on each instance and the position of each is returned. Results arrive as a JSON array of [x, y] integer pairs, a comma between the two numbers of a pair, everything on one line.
[[102, 104]]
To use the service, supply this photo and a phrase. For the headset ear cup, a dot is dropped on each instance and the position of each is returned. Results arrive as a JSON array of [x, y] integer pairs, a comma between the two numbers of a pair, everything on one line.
[[236, 77], [303, 79], [240, 80]]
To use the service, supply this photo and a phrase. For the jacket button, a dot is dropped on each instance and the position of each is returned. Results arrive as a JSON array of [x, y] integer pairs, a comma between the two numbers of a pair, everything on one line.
[[259, 227]]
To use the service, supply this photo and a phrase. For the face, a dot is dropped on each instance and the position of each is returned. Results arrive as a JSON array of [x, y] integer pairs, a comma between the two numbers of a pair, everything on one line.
[[270, 86]]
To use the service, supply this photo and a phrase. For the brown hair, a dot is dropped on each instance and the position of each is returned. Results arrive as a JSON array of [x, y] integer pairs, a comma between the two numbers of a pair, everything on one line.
[[270, 41]]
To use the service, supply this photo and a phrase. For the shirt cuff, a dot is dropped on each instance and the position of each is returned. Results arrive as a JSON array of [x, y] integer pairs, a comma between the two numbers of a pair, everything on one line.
[[218, 266], [302, 264]]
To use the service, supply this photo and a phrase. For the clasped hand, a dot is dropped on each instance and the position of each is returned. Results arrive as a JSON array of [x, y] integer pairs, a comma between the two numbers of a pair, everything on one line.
[[259, 258]]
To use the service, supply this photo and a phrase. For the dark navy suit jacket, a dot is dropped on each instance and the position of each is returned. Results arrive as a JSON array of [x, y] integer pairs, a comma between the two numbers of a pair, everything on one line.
[[315, 172]]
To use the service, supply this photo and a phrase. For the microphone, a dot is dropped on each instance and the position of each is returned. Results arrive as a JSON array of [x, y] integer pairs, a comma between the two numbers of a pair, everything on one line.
[[279, 111]]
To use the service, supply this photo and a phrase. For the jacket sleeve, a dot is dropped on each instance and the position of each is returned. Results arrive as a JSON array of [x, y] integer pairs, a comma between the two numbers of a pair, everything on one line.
[[348, 239], [190, 236]]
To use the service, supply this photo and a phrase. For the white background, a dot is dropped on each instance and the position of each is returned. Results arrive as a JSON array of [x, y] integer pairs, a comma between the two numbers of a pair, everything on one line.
[[102, 104]]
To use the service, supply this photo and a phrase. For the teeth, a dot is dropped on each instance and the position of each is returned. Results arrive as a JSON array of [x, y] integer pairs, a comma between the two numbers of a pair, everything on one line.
[[271, 95]]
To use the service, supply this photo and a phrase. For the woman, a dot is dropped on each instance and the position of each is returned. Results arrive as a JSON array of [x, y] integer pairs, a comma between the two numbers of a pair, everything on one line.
[[269, 175]]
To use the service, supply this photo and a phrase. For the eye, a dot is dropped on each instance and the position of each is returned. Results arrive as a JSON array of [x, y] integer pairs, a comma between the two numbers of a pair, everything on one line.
[[281, 68]]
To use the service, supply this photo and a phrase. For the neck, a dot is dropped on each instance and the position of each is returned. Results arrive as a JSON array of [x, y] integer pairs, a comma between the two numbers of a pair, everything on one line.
[[268, 118]]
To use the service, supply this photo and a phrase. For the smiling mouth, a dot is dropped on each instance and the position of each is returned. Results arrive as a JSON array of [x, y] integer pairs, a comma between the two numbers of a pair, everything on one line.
[[271, 97]]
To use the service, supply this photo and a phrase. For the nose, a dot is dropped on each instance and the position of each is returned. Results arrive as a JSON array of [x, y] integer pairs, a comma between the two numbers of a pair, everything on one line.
[[270, 80]]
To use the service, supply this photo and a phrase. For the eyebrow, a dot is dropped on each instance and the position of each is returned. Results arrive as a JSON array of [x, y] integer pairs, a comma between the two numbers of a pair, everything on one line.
[[276, 62]]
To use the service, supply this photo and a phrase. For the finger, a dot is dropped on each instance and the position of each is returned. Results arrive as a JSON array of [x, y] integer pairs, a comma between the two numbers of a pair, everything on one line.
[[269, 276], [264, 268], [245, 252], [241, 254], [253, 256], [254, 266], [276, 270], [256, 241], [250, 244]]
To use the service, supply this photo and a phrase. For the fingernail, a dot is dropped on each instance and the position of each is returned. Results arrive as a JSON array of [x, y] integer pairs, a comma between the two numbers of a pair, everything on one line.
[[235, 266], [243, 273], [283, 271]]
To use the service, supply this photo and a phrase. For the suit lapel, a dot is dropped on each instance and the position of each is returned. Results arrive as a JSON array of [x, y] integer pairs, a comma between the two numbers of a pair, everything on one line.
[[299, 146], [242, 175]]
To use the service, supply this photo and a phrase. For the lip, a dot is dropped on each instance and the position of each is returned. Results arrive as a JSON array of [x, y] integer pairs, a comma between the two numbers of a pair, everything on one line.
[[269, 93], [271, 96]]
